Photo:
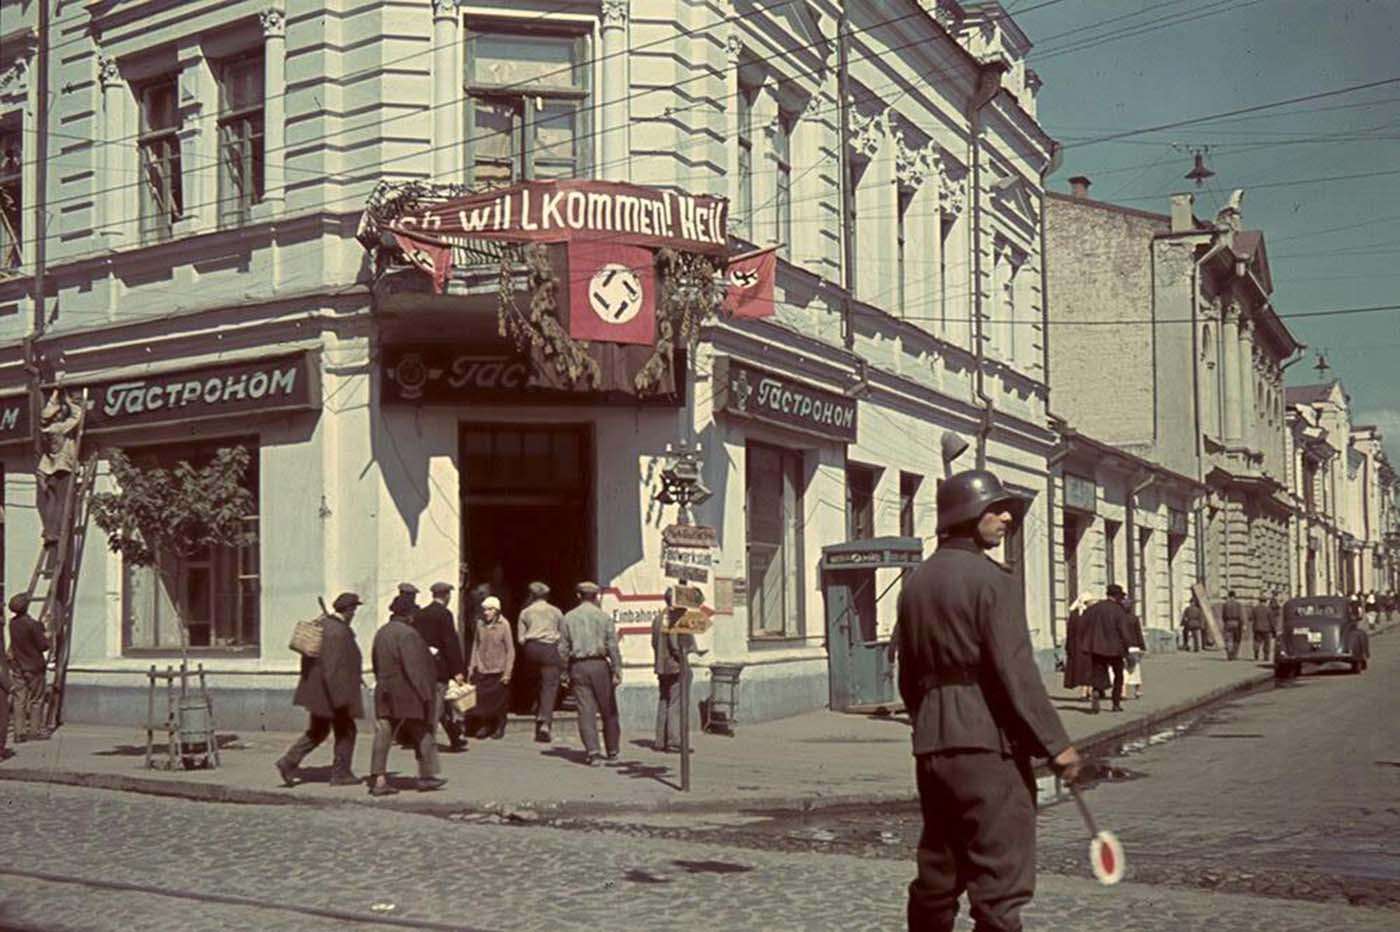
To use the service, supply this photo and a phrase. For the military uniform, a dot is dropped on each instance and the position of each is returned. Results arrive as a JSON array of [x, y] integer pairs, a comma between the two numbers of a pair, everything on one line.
[[980, 713], [1262, 633], [1232, 614]]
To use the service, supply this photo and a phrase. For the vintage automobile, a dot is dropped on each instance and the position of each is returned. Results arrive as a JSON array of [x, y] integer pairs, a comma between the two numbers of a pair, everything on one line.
[[1319, 629]]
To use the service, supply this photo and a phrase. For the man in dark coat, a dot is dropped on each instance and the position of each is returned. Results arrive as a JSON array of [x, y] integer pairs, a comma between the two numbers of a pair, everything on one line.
[[7, 685], [437, 627], [330, 691], [1232, 616], [980, 714], [405, 684], [1261, 619], [1108, 634], [28, 645], [1193, 622]]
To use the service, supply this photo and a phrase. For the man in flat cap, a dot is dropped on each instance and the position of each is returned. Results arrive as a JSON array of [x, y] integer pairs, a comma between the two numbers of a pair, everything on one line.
[[329, 690], [28, 646], [588, 648], [539, 641], [437, 627]]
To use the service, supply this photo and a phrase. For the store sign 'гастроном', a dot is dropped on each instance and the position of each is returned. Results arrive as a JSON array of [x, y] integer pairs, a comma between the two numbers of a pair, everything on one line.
[[747, 391]]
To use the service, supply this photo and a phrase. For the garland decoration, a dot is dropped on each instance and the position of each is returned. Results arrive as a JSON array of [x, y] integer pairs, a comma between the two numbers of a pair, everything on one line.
[[538, 331], [692, 291]]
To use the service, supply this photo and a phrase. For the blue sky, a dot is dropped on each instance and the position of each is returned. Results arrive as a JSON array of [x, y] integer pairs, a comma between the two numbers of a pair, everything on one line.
[[1200, 57]]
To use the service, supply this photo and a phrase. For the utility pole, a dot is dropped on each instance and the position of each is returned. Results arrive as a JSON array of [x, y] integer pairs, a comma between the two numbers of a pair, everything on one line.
[[41, 169], [848, 193]]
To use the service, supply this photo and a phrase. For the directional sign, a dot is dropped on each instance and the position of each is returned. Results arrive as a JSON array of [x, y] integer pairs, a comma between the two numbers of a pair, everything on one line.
[[689, 622], [689, 535], [687, 597], [686, 572]]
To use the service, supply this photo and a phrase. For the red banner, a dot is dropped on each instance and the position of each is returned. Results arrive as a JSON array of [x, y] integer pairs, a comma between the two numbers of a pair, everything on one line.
[[556, 211], [749, 284], [433, 258], [612, 292]]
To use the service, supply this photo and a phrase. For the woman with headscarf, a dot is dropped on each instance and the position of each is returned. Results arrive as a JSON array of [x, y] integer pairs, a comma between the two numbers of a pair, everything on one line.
[[1079, 663], [493, 661]]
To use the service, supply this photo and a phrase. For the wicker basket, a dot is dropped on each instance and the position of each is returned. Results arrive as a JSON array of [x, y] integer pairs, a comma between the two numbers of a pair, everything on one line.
[[306, 637], [461, 695]]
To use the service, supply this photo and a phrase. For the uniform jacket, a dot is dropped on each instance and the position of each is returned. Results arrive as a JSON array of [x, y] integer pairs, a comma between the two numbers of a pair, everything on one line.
[[434, 622], [1262, 617], [962, 613], [1192, 618], [405, 676], [332, 680], [28, 643], [1108, 629], [667, 649], [1232, 614], [587, 631]]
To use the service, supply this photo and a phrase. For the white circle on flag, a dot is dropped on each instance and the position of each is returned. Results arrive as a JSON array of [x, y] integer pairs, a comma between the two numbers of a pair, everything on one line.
[[615, 293], [743, 278]]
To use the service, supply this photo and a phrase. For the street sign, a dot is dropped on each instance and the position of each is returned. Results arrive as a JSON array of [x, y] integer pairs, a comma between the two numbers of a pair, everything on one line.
[[689, 535], [686, 572], [690, 621], [687, 597]]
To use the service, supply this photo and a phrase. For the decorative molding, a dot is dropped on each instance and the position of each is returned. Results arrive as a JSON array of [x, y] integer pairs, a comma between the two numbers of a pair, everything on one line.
[[913, 165], [733, 48], [108, 72], [952, 183], [943, 12], [274, 23], [868, 133], [614, 14], [16, 70]]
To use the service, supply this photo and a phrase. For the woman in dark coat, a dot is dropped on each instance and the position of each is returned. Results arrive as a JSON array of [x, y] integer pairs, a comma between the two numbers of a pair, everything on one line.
[[405, 682], [1079, 664]]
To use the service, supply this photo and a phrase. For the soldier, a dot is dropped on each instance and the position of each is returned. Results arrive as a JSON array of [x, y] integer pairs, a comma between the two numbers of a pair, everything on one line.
[[1232, 614], [980, 713], [1262, 630], [1193, 621]]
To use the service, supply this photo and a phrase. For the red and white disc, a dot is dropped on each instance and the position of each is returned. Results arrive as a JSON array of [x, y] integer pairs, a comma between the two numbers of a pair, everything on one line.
[[1106, 858]]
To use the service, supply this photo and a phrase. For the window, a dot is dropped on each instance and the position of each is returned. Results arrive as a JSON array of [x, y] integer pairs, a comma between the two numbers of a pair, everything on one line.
[[527, 106], [1070, 541], [901, 233], [774, 481], [240, 138], [1110, 544], [743, 216], [860, 501], [11, 196], [216, 591], [162, 186], [782, 198], [908, 494]]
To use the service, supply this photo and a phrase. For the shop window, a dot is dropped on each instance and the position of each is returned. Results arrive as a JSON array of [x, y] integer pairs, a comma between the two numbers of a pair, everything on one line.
[[860, 501], [527, 105], [782, 198], [743, 214], [774, 483], [908, 493], [11, 195], [215, 590], [162, 182], [241, 138]]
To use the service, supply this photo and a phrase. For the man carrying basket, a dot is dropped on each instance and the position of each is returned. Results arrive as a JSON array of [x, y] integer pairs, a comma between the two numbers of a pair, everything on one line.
[[329, 690]]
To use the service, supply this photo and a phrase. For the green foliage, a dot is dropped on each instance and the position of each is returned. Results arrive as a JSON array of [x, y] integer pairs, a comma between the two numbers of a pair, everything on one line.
[[159, 515]]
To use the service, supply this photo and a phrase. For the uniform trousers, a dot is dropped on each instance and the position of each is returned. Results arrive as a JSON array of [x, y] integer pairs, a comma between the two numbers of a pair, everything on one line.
[[594, 692], [979, 836], [1193, 639], [1233, 634], [414, 731], [343, 724], [28, 704], [1263, 643]]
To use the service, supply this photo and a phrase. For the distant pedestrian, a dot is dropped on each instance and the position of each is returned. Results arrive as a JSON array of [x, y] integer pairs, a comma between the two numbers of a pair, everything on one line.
[[490, 670], [329, 690], [1079, 663], [1137, 650], [1106, 628], [7, 686], [667, 653], [1275, 620], [405, 691], [980, 713], [29, 644], [1232, 616], [1193, 622], [588, 647], [435, 624], [539, 641], [1261, 619]]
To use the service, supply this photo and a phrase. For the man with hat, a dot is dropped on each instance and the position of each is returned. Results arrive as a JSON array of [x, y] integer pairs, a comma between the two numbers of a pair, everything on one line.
[[588, 648], [404, 690], [1109, 633], [980, 714], [437, 627], [329, 690], [28, 645]]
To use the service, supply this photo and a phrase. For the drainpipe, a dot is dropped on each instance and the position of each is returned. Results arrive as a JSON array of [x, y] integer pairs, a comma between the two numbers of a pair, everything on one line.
[[1199, 504], [848, 194], [1051, 463], [988, 85], [1062, 451], [1131, 521]]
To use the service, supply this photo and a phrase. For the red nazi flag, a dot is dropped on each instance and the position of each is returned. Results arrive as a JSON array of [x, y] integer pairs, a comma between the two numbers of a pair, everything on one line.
[[433, 258], [748, 284], [612, 292]]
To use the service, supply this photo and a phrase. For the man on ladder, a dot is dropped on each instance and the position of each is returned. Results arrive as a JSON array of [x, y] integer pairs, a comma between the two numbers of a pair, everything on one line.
[[60, 422]]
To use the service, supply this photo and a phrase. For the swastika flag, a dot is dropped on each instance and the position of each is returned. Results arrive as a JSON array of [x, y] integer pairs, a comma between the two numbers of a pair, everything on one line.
[[612, 292], [748, 282]]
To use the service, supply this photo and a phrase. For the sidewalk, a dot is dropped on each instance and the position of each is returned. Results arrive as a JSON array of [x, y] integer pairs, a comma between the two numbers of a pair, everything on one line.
[[819, 758]]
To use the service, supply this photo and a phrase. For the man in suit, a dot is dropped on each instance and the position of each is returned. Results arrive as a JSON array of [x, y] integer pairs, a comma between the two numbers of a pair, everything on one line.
[[1107, 629], [29, 644], [405, 686], [980, 714], [435, 624], [329, 690], [1232, 616]]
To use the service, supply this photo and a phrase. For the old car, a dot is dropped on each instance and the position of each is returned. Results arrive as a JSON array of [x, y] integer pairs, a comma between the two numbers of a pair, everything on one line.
[[1317, 630]]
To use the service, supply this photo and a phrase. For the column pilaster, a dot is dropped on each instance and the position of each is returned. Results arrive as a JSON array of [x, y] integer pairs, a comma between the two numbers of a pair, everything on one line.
[[616, 157], [446, 112], [274, 26]]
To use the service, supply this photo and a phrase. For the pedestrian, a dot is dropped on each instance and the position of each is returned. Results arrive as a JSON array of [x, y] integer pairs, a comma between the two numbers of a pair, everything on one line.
[[1373, 609], [539, 642], [1275, 620], [29, 644], [7, 686], [1137, 650], [1193, 622], [329, 690], [1079, 664], [405, 693], [1232, 615], [60, 422], [490, 669], [668, 651], [588, 648], [1106, 627], [471, 617], [437, 627], [1261, 620], [980, 714]]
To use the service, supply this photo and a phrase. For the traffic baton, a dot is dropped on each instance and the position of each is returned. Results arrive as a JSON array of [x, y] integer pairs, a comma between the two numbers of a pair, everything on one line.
[[1105, 851]]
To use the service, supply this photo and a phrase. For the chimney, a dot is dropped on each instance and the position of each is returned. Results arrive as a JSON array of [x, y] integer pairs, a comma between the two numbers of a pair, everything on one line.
[[1079, 186], [1183, 216]]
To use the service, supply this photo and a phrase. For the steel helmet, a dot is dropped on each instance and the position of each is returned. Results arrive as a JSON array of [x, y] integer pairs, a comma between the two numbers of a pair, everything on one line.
[[968, 495]]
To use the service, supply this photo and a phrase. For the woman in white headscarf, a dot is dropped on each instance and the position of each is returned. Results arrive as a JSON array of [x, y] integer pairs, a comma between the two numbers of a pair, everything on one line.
[[493, 661], [1079, 664]]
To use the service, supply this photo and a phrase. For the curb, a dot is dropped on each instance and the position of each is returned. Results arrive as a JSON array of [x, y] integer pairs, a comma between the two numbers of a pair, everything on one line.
[[538, 811]]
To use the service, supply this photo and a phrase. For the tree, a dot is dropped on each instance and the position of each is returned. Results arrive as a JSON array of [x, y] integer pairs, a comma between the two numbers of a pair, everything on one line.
[[162, 517]]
